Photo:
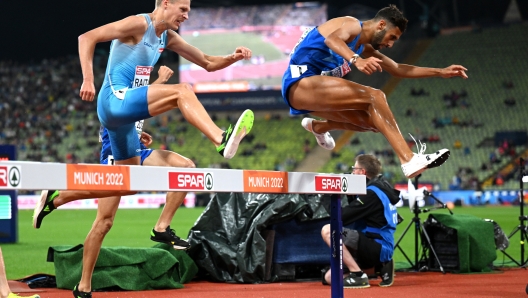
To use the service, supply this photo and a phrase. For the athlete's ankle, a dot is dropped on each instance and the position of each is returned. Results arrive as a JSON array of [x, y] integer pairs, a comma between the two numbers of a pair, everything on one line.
[[83, 288], [160, 229]]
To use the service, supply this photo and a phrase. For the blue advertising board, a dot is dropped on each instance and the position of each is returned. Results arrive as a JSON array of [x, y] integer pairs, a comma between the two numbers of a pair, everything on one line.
[[8, 199]]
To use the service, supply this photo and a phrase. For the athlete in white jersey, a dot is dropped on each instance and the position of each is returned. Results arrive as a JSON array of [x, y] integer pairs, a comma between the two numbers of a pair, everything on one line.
[[313, 82]]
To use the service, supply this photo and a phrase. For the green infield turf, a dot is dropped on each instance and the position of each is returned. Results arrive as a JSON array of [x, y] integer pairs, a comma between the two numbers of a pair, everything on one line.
[[506, 217], [70, 227], [132, 228]]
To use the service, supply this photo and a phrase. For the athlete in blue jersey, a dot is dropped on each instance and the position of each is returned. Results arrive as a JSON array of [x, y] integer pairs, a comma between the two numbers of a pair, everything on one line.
[[124, 98], [313, 82], [370, 244], [107, 207]]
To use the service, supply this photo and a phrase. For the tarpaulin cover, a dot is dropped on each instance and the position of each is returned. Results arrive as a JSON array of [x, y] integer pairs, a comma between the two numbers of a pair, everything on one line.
[[127, 268], [227, 242]]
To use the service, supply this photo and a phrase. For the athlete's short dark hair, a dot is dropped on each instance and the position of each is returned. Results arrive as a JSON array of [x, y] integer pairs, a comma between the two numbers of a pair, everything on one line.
[[392, 15]]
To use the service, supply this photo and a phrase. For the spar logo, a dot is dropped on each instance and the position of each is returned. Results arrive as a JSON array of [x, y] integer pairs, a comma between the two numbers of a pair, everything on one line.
[[9, 176], [331, 183], [3, 177], [190, 181], [143, 70]]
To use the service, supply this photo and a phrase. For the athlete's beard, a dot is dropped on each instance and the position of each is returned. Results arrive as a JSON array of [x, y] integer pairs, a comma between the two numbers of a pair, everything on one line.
[[378, 38]]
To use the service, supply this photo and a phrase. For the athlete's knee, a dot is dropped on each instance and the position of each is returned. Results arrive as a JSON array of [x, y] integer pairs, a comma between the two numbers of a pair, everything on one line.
[[188, 163], [175, 160], [187, 86], [377, 95], [182, 91], [102, 225], [325, 231]]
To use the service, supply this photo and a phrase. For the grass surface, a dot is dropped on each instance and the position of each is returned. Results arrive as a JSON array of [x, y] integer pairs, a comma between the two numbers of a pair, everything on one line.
[[132, 228], [506, 217], [70, 227]]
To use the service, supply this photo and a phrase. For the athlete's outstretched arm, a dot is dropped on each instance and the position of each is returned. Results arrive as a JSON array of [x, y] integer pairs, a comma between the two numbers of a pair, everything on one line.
[[177, 44], [126, 30], [411, 71]]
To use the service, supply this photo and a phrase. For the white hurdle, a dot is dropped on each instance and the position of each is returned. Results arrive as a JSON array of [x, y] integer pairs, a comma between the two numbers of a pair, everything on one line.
[[20, 175]]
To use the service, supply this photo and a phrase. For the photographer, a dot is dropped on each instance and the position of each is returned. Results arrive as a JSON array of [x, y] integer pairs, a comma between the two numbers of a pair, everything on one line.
[[370, 244]]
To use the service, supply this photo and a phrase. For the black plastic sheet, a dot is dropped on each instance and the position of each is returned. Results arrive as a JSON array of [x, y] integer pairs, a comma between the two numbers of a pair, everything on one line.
[[227, 241]]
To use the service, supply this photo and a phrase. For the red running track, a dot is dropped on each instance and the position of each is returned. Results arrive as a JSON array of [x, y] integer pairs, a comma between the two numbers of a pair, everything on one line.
[[504, 283]]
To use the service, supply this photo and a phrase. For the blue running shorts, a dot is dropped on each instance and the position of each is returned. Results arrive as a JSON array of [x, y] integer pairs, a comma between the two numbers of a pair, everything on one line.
[[296, 70], [109, 159], [118, 110]]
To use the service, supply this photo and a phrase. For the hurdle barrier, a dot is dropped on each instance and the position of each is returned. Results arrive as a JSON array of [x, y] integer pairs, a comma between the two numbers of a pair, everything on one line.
[[26, 175]]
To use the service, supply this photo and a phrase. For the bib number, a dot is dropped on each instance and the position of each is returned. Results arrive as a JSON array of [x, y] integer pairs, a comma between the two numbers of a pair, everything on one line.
[[139, 127], [142, 76], [297, 70]]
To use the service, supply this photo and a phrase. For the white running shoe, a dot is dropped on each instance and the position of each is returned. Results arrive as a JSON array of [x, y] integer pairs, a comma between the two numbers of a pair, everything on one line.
[[324, 140], [420, 161]]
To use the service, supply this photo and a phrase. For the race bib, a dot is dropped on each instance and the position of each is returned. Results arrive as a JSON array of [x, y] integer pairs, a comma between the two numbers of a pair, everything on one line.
[[139, 127], [297, 70], [142, 76]]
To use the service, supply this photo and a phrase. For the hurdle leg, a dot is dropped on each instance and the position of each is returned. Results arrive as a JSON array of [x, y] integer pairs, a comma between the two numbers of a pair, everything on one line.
[[336, 247]]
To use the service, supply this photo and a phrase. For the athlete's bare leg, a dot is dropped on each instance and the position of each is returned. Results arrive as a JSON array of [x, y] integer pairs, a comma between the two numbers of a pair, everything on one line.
[[362, 123], [174, 200], [165, 97], [107, 209], [335, 98], [4, 286]]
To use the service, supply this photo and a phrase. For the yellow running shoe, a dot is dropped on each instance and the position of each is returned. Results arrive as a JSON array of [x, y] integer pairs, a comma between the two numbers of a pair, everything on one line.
[[13, 295]]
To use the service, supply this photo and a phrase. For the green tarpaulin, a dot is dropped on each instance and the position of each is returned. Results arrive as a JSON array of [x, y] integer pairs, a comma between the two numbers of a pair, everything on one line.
[[159, 267], [476, 241]]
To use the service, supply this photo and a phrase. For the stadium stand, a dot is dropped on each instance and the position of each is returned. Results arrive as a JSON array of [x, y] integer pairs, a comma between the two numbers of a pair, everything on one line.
[[42, 114], [277, 142]]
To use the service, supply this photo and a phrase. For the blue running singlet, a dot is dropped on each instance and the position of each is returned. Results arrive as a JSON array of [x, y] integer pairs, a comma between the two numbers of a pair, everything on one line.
[[122, 99], [311, 57]]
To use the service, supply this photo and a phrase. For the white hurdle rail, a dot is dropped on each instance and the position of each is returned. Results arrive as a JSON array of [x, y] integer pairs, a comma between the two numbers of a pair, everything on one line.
[[22, 175]]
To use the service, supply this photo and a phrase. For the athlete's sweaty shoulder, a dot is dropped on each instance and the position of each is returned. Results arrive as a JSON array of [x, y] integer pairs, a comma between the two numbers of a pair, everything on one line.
[[135, 27], [350, 25]]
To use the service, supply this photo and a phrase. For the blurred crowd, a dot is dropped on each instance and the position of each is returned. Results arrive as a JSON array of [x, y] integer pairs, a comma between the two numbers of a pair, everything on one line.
[[38, 101], [253, 15]]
